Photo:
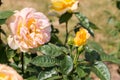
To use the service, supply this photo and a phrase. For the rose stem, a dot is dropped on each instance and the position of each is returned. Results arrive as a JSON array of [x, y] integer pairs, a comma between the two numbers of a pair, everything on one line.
[[0, 33], [22, 62], [66, 38]]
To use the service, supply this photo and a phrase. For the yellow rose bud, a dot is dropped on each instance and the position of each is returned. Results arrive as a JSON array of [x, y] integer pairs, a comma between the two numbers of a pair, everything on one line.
[[81, 37], [61, 6], [70, 41]]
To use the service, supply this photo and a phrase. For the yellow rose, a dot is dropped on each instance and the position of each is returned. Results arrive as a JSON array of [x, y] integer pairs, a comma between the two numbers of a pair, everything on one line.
[[81, 37], [8, 73], [62, 6]]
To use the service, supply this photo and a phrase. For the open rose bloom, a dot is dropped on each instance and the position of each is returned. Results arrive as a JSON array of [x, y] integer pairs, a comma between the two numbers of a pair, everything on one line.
[[61, 6], [8, 73], [81, 37], [29, 29]]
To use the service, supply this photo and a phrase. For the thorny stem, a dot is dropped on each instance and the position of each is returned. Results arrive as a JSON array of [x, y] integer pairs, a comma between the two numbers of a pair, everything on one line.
[[0, 36], [67, 33], [22, 62]]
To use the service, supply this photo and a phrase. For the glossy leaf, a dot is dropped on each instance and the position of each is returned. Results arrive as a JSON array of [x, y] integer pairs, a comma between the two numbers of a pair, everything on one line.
[[92, 56], [31, 78], [65, 17], [27, 59], [110, 58], [66, 65], [93, 26], [44, 61], [5, 14], [101, 70], [54, 78], [51, 50], [43, 75], [94, 46], [80, 72], [83, 19], [84, 22]]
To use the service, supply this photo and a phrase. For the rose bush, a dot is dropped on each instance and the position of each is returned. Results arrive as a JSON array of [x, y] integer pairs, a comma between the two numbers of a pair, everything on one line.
[[29, 29], [73, 58]]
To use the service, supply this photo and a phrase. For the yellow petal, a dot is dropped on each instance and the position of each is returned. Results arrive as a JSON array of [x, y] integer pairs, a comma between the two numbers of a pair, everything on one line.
[[81, 37]]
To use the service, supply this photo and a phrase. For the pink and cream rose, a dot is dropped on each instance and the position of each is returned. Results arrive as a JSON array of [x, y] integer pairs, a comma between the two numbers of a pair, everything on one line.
[[8, 73], [29, 28]]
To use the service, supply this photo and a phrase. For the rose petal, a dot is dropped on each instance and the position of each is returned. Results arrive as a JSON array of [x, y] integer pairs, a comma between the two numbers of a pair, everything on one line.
[[12, 43]]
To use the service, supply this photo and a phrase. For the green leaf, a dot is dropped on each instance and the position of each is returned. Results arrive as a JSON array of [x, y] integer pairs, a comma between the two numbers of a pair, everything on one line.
[[66, 65], [32, 78], [118, 4], [5, 14], [110, 58], [90, 30], [75, 77], [94, 46], [83, 19], [80, 72], [88, 78], [54, 78], [65, 17], [93, 26], [32, 69], [10, 53], [27, 59], [44, 61], [84, 22], [2, 21], [92, 56], [43, 75], [101, 70], [54, 39], [51, 50], [15, 66], [3, 56]]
